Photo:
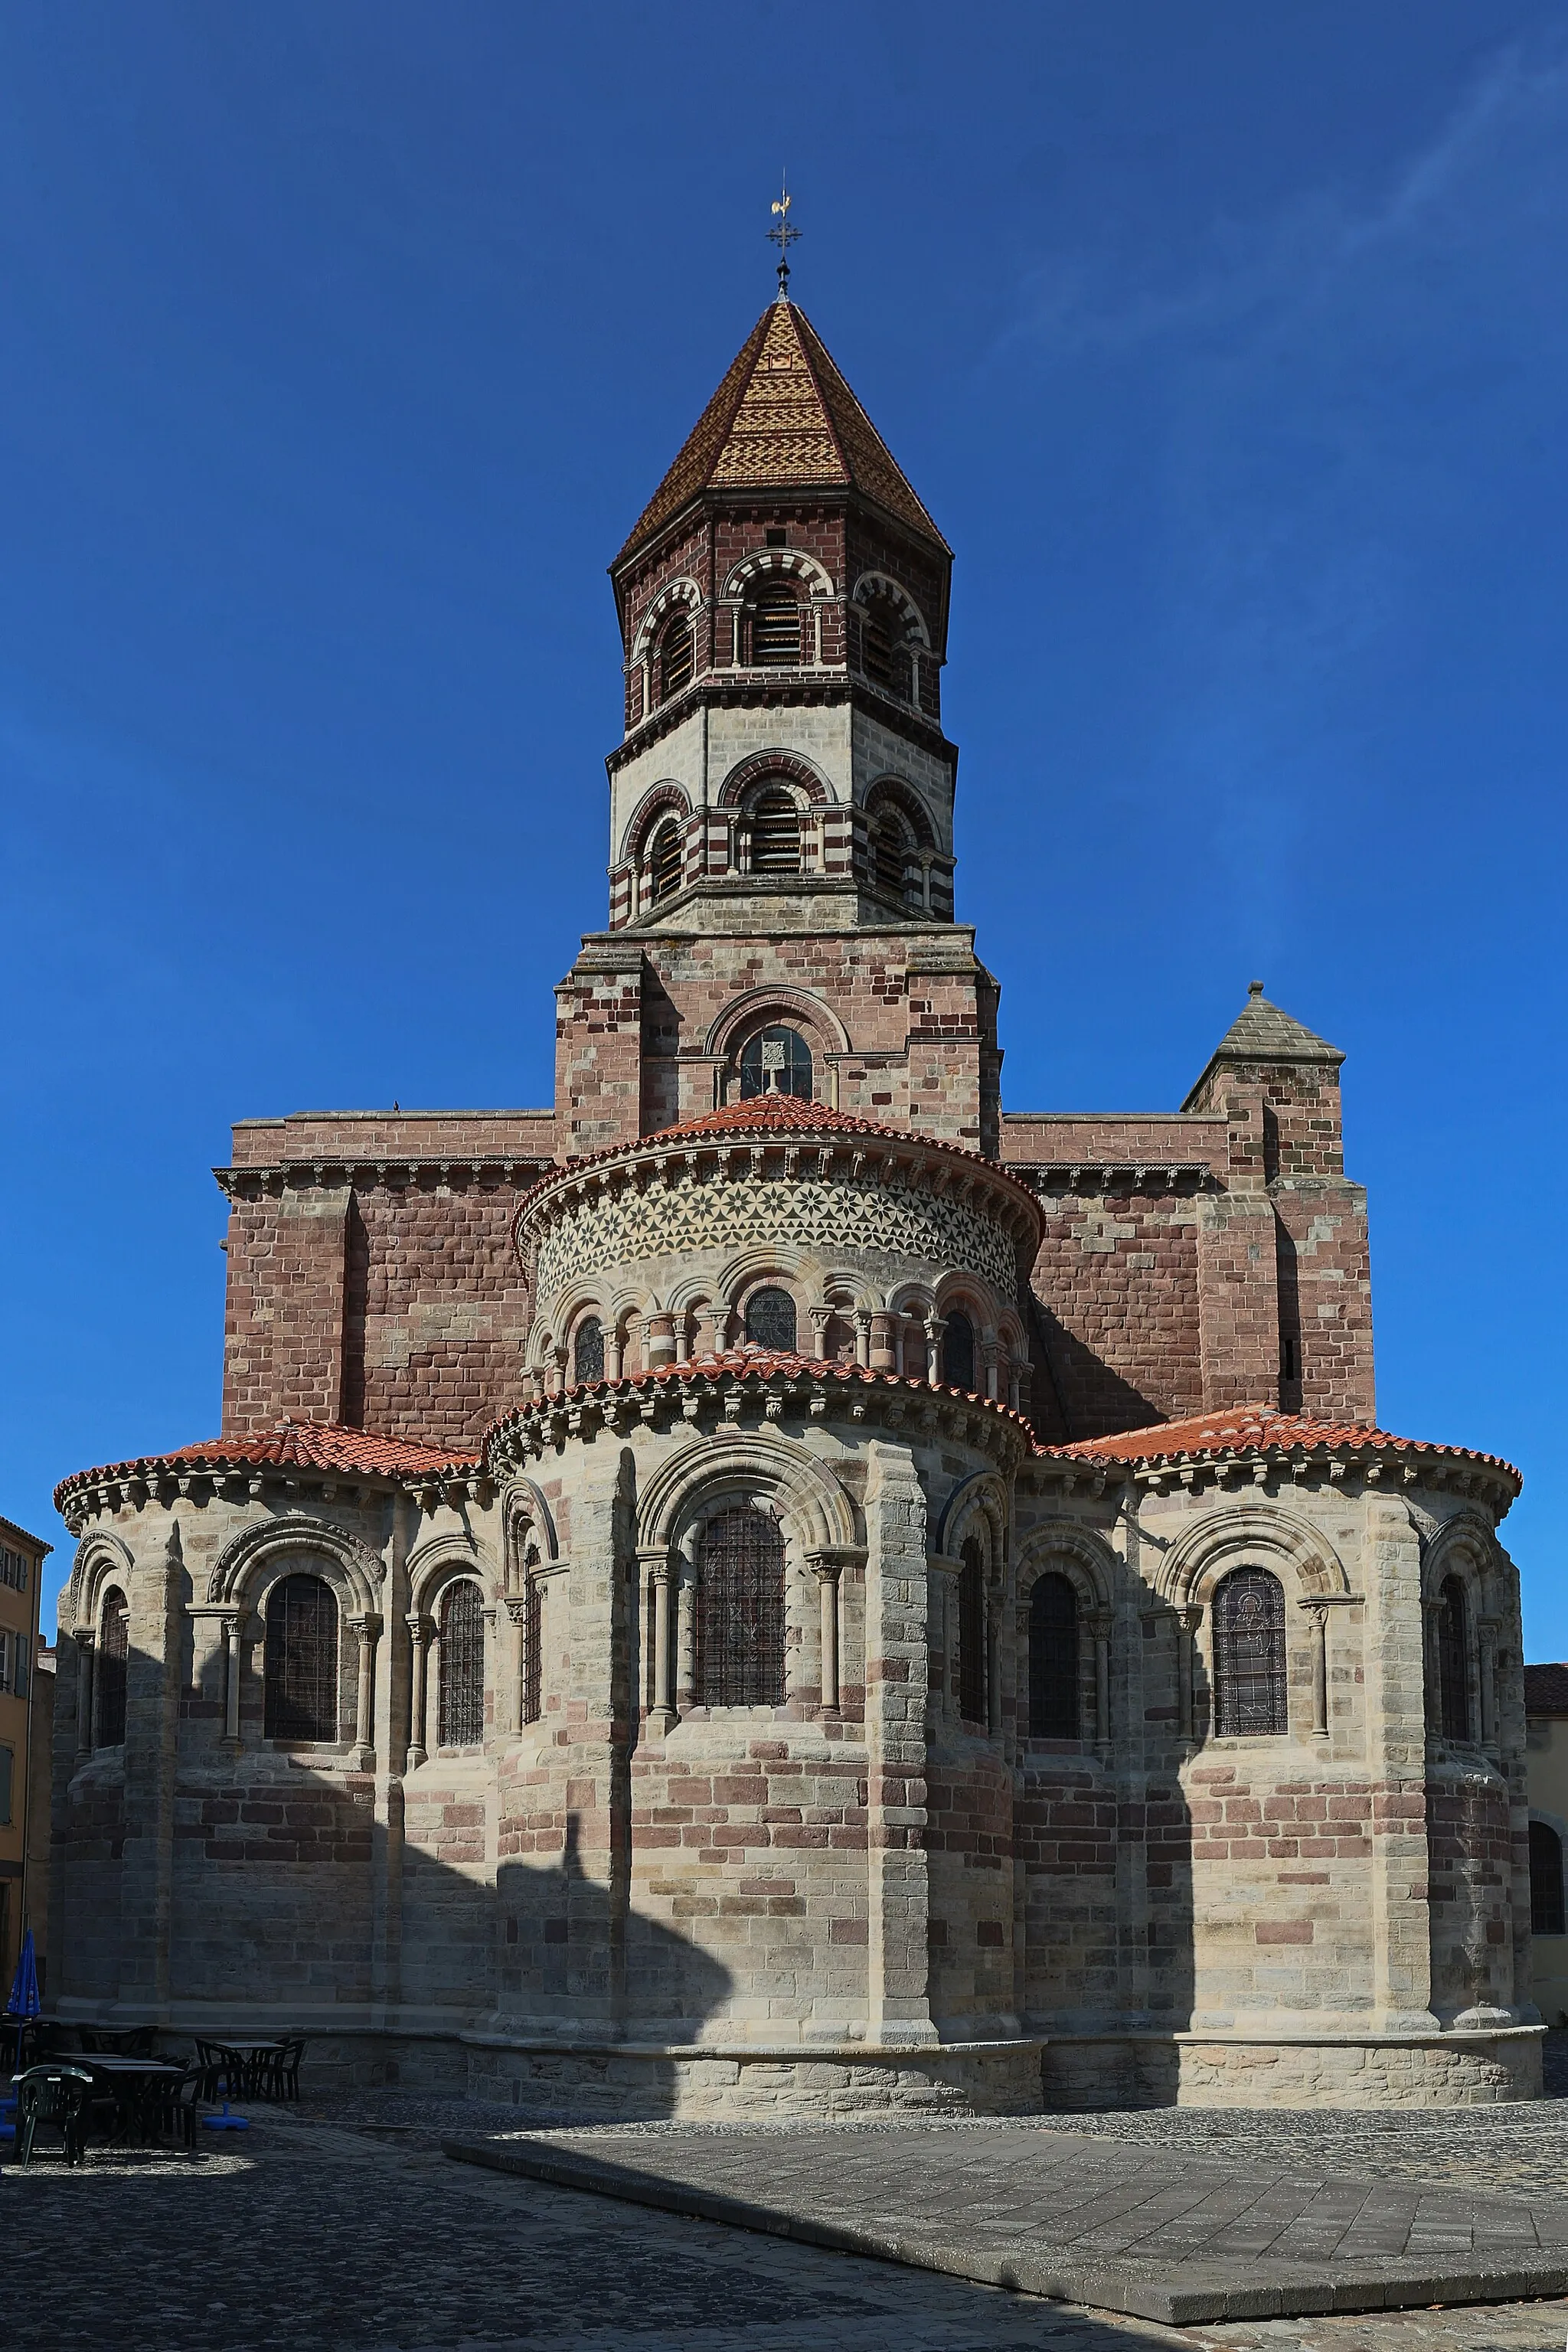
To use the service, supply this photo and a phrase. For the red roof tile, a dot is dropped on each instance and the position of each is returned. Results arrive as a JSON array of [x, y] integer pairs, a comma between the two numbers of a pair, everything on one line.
[[1546, 1690], [1256, 1429], [300, 1444]]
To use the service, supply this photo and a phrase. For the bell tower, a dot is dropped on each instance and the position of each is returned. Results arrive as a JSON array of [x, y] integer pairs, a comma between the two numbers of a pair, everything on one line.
[[781, 853]]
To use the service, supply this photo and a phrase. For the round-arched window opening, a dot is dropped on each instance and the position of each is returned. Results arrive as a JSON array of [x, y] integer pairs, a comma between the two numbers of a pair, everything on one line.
[[775, 1062], [675, 658], [889, 855], [1053, 1659], [667, 859], [775, 627], [883, 636], [462, 1694], [1453, 1660], [771, 1321], [958, 1352], [588, 1350], [1249, 1662], [113, 1653], [301, 1682], [775, 832]]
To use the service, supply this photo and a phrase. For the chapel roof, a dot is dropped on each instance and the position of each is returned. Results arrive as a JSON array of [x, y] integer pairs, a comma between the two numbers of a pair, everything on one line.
[[1260, 1428], [289, 1443], [1546, 1690], [782, 419]]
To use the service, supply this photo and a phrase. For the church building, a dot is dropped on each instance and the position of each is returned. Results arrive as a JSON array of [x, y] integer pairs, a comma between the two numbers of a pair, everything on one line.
[[778, 1584]]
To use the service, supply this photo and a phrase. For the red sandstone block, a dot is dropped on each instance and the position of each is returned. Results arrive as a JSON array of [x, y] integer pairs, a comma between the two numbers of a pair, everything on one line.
[[1284, 1931]]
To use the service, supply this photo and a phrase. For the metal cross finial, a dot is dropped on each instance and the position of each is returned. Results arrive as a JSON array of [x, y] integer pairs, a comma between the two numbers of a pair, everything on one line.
[[783, 235]]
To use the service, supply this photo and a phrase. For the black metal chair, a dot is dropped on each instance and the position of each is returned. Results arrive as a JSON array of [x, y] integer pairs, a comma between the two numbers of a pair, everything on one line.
[[175, 2103], [57, 2096], [283, 2070]]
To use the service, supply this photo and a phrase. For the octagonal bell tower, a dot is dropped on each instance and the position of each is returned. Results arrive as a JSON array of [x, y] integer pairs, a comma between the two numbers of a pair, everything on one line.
[[782, 799]]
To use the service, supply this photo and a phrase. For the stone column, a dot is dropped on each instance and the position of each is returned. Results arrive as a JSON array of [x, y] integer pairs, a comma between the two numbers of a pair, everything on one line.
[[936, 1325], [662, 1571], [1318, 1618], [862, 1337], [85, 1639], [232, 1627], [1098, 1624], [1397, 1753], [883, 1357], [419, 1631], [826, 1567], [898, 1894], [1188, 1620], [1487, 1637], [821, 1317], [367, 1627], [660, 1340]]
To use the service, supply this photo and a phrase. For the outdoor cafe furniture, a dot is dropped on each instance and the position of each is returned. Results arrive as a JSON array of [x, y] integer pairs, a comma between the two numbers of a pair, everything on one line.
[[135, 2086], [256, 2068], [53, 2099]]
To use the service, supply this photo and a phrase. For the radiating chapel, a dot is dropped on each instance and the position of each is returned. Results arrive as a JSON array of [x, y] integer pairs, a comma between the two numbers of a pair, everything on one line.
[[778, 1583]]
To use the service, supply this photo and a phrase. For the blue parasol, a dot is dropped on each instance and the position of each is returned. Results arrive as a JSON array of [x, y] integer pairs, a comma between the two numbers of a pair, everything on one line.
[[24, 2001]]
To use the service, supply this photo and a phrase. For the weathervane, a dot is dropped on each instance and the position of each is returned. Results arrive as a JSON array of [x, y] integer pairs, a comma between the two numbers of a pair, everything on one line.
[[781, 234]]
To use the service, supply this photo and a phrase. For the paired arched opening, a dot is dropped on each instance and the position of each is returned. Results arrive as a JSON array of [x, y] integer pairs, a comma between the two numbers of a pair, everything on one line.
[[740, 1618], [1249, 1659], [776, 1061], [300, 1670]]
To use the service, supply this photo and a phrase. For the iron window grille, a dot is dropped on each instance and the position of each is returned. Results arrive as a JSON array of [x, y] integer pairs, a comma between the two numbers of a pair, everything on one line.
[[972, 1677], [1053, 1659], [958, 1352], [1546, 1908], [302, 1661], [532, 1650], [1249, 1669], [588, 1350], [776, 1061], [113, 1651], [775, 627], [771, 1321], [1453, 1660], [740, 1610], [462, 1698]]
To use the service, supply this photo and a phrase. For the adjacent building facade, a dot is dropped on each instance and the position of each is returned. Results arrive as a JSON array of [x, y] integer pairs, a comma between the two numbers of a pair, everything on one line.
[[22, 1559], [777, 1581]]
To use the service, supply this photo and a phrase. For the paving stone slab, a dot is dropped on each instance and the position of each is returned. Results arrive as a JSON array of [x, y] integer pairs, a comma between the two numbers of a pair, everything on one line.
[[1073, 2217]]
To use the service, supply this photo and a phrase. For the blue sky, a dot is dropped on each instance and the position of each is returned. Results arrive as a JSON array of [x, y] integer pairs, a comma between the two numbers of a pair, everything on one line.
[[340, 347]]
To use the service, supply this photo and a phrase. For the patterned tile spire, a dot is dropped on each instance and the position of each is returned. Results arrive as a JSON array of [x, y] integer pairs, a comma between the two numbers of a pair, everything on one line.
[[782, 419]]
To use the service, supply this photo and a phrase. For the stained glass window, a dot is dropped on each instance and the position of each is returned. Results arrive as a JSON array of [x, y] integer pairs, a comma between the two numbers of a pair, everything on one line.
[[1053, 1659], [958, 1352], [302, 1670], [462, 1710], [588, 1350], [775, 1062], [771, 1321], [1249, 1655], [113, 1650], [1454, 1660]]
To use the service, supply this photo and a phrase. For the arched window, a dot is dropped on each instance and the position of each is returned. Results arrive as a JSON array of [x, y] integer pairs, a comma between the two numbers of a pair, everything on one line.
[[771, 1321], [958, 1352], [302, 1673], [889, 853], [675, 658], [666, 859], [1546, 1880], [462, 1695], [1454, 1660], [1249, 1655], [775, 1062], [740, 1610], [1053, 1659], [776, 832], [588, 1350], [775, 627], [113, 1650], [973, 1681]]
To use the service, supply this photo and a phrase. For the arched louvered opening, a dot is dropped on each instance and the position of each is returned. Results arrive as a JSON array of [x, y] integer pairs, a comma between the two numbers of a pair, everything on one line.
[[974, 1677], [740, 1610], [775, 832], [776, 1061], [958, 1351], [1546, 1908], [884, 641], [676, 657], [775, 627], [1249, 1655], [588, 1350], [462, 1695], [113, 1654], [1053, 1659], [1454, 1660], [889, 853], [666, 859], [771, 1321], [302, 1661]]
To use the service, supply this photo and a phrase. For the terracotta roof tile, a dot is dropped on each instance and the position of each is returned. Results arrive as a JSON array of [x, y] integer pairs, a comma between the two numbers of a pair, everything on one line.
[[783, 418], [302, 1445], [1256, 1429], [1546, 1690]]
